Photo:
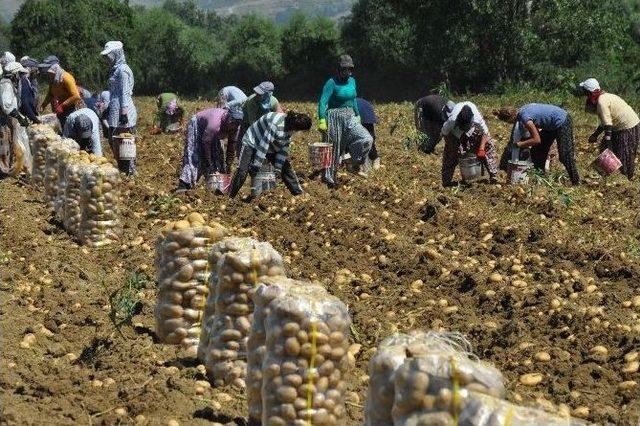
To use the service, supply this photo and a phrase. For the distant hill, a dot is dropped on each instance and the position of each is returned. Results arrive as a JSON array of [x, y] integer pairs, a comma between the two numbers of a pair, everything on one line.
[[279, 10]]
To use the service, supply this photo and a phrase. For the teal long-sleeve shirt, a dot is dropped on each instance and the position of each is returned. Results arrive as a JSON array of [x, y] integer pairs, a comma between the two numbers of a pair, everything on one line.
[[338, 95]]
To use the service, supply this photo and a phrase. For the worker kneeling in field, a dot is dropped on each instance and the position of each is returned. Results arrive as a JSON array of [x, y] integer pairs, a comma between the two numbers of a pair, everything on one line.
[[169, 117], [269, 139], [465, 132], [430, 114], [203, 153], [537, 126], [83, 126]]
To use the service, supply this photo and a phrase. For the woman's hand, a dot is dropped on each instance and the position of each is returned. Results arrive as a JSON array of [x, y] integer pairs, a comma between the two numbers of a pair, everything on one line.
[[322, 125]]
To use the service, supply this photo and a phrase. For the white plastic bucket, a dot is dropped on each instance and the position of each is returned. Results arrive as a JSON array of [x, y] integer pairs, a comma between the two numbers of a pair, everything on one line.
[[126, 146], [518, 172], [264, 181], [470, 168]]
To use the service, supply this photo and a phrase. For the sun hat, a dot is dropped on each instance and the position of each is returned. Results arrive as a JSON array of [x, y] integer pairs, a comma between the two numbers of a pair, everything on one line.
[[264, 87], [110, 46], [14, 68], [48, 62], [345, 61], [590, 85]]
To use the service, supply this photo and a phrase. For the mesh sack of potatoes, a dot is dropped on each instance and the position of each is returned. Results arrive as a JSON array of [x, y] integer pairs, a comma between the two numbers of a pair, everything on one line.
[[55, 153], [40, 139], [268, 291], [227, 245], [478, 409], [72, 205], [435, 372], [100, 222], [389, 356], [183, 272], [239, 273], [306, 360]]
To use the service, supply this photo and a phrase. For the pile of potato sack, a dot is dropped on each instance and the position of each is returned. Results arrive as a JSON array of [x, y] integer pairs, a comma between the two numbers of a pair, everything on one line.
[[82, 189], [228, 301]]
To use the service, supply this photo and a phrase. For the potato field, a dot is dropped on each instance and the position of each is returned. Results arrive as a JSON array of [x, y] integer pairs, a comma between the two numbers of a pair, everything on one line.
[[543, 281]]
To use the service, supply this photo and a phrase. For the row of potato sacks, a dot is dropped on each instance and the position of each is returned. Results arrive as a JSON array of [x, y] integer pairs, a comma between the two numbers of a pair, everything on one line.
[[82, 189], [287, 342], [433, 379]]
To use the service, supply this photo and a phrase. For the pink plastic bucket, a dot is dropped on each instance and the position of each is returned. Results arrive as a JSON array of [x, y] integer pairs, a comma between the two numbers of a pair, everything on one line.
[[606, 163]]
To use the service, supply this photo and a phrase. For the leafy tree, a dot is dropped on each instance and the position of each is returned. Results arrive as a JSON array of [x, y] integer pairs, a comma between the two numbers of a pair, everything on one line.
[[310, 47], [253, 53], [73, 30]]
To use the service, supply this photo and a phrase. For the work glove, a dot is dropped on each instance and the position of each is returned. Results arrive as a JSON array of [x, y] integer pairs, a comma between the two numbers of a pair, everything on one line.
[[358, 119], [253, 170], [59, 109], [278, 174], [124, 120], [322, 125], [481, 154], [24, 121]]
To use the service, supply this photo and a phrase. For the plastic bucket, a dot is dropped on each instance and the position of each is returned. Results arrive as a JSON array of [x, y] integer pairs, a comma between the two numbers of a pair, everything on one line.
[[219, 182], [126, 146], [320, 155], [606, 163], [518, 172], [470, 168], [264, 181]]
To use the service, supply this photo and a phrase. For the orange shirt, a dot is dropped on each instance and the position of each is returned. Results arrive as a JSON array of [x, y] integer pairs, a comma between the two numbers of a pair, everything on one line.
[[66, 92]]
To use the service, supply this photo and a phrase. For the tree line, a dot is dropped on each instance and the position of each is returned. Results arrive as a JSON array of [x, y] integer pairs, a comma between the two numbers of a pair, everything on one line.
[[402, 48]]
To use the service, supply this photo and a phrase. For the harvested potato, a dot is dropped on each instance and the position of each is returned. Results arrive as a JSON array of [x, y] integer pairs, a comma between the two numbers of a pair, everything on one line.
[[100, 222], [228, 245], [239, 274], [183, 273], [310, 387], [56, 154]]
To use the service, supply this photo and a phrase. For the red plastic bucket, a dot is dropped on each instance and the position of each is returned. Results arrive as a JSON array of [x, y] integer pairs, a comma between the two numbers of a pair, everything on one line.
[[606, 163]]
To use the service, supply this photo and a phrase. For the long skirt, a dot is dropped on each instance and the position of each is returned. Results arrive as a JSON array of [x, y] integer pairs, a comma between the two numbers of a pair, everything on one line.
[[346, 134], [194, 164], [15, 151], [624, 144]]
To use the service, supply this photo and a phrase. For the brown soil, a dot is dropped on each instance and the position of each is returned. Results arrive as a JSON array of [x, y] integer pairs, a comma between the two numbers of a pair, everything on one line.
[[380, 230]]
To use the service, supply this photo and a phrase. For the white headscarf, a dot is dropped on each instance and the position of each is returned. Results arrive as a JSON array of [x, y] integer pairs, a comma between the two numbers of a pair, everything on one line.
[[7, 58]]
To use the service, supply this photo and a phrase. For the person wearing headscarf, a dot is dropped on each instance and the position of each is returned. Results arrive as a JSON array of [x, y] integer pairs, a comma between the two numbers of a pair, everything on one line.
[[258, 104], [63, 95], [14, 143], [466, 132], [169, 117], [122, 114], [618, 121], [83, 126], [203, 152], [28, 89], [269, 139], [430, 114], [6, 58], [536, 127], [230, 97], [339, 120], [369, 120]]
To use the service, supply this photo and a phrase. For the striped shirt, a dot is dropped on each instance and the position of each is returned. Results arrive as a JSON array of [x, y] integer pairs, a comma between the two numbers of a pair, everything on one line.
[[267, 135]]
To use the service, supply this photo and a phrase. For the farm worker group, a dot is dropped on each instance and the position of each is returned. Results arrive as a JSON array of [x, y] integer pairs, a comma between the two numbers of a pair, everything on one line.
[[536, 127], [82, 116], [257, 129]]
